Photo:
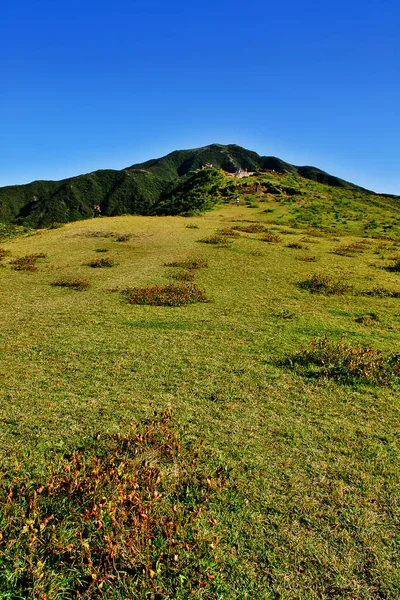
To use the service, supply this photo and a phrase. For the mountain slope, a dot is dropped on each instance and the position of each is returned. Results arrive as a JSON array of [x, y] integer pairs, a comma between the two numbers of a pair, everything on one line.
[[142, 188]]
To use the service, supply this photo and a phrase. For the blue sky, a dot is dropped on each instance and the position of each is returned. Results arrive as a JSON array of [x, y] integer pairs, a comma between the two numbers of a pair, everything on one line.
[[88, 85]]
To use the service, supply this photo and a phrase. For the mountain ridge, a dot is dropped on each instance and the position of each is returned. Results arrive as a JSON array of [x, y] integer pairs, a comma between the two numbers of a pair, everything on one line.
[[141, 188]]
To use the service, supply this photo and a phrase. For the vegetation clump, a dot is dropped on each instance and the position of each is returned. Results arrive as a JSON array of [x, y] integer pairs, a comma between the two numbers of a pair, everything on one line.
[[183, 275], [174, 294], [324, 284], [27, 262], [296, 246], [349, 249], [307, 258], [4, 253], [123, 237], [79, 285], [346, 363], [216, 240], [228, 232], [190, 263], [381, 292], [252, 228], [395, 266], [270, 237], [101, 263], [120, 517]]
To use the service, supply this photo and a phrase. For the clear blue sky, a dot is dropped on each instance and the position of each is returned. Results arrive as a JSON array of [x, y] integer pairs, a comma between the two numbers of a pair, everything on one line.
[[88, 85]]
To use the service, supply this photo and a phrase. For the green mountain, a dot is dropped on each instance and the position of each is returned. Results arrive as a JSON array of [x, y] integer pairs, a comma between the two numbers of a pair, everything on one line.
[[174, 184]]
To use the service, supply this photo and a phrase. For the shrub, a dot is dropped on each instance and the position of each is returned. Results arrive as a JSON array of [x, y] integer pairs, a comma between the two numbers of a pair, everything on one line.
[[324, 284], [123, 237], [296, 246], [307, 258], [215, 240], [26, 263], [174, 294], [101, 263], [190, 263], [228, 232], [191, 226], [4, 253], [102, 250], [183, 276], [395, 266], [270, 237], [349, 250], [122, 517], [76, 284], [348, 364], [252, 228], [381, 292]]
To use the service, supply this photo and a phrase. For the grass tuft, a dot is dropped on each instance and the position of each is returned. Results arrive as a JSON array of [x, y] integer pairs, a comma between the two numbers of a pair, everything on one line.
[[190, 263], [27, 262]]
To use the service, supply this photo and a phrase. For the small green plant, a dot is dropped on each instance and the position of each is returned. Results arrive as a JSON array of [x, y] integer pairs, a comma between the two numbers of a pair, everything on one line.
[[79, 285], [190, 263], [26, 263], [102, 250], [174, 294], [324, 284], [101, 263], [55, 225], [191, 226], [346, 363]]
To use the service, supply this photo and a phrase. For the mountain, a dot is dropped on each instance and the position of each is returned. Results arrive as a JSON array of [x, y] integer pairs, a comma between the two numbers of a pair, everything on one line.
[[173, 184]]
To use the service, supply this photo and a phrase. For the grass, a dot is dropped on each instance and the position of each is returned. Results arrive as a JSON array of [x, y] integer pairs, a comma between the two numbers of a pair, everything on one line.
[[306, 504]]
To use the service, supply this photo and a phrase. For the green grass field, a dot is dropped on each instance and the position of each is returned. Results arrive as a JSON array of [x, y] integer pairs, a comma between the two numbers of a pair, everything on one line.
[[281, 479]]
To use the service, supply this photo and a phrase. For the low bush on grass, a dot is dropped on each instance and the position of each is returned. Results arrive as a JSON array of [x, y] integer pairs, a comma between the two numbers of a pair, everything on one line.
[[123, 518], [174, 294], [191, 226], [79, 285], [324, 284], [395, 266], [346, 363], [296, 246], [27, 263], [190, 263], [380, 292], [123, 237], [369, 319], [270, 237], [216, 240], [4, 253], [349, 250], [101, 263], [228, 232], [252, 228], [307, 258], [102, 250], [183, 275]]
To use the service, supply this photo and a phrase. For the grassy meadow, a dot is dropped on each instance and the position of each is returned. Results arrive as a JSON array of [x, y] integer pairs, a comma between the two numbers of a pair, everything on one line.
[[212, 449]]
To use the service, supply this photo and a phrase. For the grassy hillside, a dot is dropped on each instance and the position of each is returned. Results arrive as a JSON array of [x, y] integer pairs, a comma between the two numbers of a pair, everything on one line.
[[204, 407], [137, 189]]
